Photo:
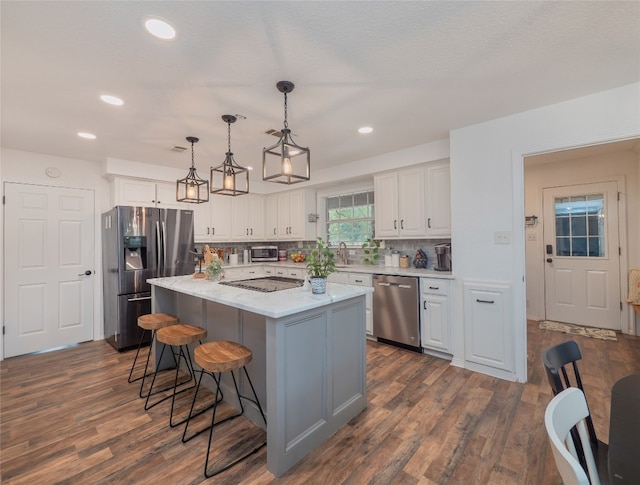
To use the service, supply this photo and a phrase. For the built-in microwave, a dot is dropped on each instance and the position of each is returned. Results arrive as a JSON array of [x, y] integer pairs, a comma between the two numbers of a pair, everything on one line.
[[264, 253]]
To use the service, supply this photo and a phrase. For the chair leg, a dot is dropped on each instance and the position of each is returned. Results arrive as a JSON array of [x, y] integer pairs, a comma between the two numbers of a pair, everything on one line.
[[175, 385], [218, 398], [208, 474], [135, 359]]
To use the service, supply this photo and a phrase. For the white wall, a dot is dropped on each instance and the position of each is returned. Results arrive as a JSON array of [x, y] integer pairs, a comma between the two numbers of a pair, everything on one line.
[[27, 167], [487, 192], [602, 167]]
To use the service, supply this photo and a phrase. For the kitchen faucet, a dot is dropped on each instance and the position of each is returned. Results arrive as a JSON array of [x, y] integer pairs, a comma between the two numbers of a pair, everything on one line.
[[343, 253]]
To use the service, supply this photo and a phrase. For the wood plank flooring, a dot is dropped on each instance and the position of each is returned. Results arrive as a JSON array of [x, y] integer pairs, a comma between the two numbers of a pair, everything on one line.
[[70, 417]]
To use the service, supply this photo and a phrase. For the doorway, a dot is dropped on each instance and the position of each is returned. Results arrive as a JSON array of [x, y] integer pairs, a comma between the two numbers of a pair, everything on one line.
[[49, 252], [582, 258], [617, 162]]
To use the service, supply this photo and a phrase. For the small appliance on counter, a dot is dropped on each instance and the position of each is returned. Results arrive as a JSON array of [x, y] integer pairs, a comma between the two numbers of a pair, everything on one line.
[[264, 253], [420, 261], [443, 257]]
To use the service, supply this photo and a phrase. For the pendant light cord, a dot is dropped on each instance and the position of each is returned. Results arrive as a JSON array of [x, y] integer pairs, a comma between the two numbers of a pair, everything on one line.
[[193, 165], [229, 136]]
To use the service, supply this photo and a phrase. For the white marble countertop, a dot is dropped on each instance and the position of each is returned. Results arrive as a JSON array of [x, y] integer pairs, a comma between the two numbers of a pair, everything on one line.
[[276, 304], [358, 268]]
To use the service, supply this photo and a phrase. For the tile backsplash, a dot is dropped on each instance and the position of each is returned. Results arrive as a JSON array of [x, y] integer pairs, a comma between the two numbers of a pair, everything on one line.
[[403, 246]]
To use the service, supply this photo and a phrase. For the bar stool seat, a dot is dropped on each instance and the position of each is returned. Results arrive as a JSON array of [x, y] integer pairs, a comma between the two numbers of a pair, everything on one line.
[[149, 323], [180, 336], [214, 358]]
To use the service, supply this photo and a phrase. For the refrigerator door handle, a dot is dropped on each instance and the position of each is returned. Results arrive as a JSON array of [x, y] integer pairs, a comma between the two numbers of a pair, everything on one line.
[[159, 252], [139, 299], [164, 248]]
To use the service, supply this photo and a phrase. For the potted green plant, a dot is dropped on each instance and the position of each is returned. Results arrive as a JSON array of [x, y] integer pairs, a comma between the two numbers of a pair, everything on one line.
[[214, 269], [320, 264], [371, 249]]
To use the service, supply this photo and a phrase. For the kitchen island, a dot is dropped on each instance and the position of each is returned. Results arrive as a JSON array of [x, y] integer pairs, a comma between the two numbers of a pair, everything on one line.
[[309, 360]]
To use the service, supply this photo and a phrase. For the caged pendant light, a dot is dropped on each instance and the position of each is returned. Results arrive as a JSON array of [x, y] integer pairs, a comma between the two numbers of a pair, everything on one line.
[[192, 188], [285, 162], [229, 178]]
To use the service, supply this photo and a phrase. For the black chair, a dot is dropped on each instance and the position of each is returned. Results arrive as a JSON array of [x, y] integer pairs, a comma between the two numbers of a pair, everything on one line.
[[556, 360]]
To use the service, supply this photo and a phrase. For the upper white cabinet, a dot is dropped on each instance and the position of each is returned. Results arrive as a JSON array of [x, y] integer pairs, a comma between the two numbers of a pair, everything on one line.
[[400, 203], [212, 220], [247, 222], [271, 217], [146, 193], [438, 192], [286, 217], [413, 202]]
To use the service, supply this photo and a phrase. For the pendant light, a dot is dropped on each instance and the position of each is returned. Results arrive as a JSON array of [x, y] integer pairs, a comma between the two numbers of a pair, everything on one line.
[[229, 178], [192, 188], [285, 162]]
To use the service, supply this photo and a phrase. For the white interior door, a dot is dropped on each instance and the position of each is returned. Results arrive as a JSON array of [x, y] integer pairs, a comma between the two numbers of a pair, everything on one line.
[[49, 245], [582, 261]]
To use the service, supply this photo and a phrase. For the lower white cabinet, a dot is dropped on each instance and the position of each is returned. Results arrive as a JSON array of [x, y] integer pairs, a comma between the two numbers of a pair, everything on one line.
[[435, 314], [488, 325], [359, 279], [240, 273]]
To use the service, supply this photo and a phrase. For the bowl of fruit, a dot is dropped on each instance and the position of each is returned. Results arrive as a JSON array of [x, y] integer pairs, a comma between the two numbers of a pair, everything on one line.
[[298, 257]]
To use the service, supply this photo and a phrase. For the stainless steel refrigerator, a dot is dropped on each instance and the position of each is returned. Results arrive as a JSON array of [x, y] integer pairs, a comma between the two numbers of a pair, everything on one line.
[[140, 243]]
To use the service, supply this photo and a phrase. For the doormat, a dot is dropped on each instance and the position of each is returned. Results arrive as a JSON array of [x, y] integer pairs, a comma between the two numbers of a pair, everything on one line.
[[572, 329]]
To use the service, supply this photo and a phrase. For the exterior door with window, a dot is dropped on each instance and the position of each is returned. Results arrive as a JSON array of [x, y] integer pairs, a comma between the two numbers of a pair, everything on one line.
[[582, 261], [49, 273]]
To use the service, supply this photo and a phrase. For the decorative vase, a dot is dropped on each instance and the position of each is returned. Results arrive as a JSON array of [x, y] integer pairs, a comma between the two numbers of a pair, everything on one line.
[[318, 286]]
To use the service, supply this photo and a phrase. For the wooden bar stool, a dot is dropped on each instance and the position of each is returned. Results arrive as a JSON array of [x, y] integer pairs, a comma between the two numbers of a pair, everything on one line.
[[215, 358], [176, 336], [149, 323]]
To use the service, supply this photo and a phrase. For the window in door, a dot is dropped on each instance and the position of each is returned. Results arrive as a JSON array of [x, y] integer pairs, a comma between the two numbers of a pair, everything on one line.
[[580, 226], [350, 218]]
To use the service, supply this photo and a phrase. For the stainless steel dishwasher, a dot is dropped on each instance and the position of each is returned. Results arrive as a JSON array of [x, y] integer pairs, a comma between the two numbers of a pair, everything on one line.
[[396, 318]]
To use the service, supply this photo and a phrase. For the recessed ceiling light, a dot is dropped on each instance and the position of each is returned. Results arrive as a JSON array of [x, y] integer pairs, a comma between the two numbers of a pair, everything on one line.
[[160, 28], [114, 100], [88, 136], [365, 129], [249, 167]]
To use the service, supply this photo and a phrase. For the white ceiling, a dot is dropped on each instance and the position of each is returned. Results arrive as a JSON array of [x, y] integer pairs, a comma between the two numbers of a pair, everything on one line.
[[411, 70]]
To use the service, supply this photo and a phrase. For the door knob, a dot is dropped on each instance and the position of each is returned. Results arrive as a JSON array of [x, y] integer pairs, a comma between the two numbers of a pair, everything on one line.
[[549, 260], [86, 273]]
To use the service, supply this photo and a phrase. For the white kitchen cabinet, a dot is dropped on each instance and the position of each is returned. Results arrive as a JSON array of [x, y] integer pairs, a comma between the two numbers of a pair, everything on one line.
[[292, 209], [361, 279], [488, 338], [400, 204], [248, 218], [438, 200], [212, 220], [240, 272], [271, 217], [298, 273], [146, 193], [435, 314]]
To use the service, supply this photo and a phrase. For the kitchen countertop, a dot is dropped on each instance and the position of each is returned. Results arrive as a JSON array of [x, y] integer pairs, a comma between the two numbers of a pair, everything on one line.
[[358, 268], [275, 305]]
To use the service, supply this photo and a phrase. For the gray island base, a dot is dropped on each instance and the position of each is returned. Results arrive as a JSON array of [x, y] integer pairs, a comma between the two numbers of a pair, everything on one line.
[[309, 362]]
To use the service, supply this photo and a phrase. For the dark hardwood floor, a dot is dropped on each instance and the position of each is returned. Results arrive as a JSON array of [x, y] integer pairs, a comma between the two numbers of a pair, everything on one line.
[[69, 416]]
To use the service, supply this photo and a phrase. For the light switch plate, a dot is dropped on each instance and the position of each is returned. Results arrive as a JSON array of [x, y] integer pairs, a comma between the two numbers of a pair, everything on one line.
[[502, 237]]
